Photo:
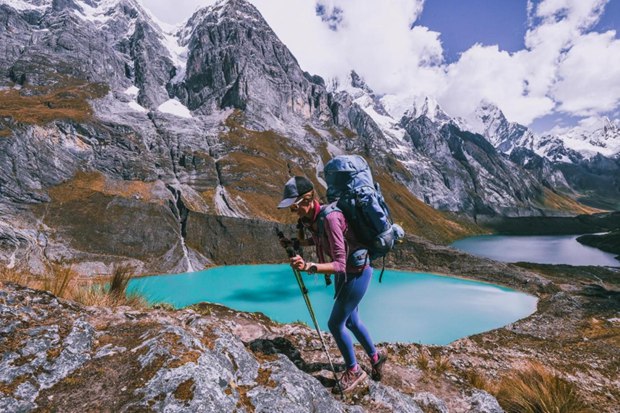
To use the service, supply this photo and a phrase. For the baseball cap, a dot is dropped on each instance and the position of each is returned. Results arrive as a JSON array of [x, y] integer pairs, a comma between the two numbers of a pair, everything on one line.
[[293, 189]]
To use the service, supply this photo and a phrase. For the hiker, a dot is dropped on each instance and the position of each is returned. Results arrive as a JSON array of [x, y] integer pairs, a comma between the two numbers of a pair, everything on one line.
[[353, 272]]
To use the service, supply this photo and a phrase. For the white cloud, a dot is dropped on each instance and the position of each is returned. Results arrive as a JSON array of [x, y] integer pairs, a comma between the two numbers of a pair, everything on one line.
[[540, 79], [589, 75], [385, 54], [486, 73]]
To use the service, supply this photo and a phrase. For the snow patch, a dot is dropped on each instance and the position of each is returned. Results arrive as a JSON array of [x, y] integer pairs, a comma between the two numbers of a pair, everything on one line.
[[28, 5], [100, 13], [137, 107], [319, 169], [222, 204], [397, 106], [177, 48], [176, 108], [132, 91], [190, 267]]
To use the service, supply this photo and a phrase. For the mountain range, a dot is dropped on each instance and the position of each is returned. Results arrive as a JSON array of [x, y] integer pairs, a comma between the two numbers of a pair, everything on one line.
[[126, 140]]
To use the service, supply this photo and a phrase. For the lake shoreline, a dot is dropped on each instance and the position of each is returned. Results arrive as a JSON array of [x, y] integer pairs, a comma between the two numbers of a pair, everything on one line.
[[568, 225]]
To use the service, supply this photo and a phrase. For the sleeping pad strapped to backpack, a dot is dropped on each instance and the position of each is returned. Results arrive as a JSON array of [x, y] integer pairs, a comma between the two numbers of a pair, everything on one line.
[[351, 189]]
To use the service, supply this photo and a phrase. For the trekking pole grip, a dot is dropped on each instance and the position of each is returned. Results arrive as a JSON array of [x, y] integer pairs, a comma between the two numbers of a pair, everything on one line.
[[289, 250]]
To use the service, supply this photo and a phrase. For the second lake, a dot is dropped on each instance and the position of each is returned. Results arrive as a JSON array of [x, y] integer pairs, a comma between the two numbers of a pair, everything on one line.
[[542, 249]]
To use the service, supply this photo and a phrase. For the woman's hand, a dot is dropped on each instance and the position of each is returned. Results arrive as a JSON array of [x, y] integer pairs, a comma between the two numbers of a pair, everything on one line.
[[298, 263]]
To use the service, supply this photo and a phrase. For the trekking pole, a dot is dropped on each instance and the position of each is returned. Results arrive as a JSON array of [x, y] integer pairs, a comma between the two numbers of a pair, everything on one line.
[[304, 292]]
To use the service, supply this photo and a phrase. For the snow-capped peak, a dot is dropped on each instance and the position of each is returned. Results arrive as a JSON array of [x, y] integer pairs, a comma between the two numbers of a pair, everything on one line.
[[431, 109], [592, 136], [28, 4]]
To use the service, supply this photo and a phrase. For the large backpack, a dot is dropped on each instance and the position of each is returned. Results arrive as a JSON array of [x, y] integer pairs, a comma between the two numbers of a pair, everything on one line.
[[353, 191]]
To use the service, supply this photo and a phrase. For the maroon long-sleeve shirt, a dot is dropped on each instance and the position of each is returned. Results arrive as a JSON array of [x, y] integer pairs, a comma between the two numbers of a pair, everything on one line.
[[337, 241]]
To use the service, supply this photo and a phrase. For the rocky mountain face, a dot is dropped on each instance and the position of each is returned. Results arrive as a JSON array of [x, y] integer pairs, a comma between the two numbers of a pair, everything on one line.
[[235, 60], [149, 134], [583, 162], [448, 167]]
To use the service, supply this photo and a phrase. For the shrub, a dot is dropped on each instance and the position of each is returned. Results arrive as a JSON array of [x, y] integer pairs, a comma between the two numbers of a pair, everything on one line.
[[536, 390], [476, 379], [59, 279], [422, 360], [121, 274], [441, 363]]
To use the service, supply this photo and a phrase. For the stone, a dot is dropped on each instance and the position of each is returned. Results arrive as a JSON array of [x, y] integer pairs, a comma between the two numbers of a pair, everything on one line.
[[430, 403], [483, 402], [387, 397]]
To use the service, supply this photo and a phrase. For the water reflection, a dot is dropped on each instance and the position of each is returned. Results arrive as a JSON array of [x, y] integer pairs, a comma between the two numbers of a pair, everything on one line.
[[547, 249]]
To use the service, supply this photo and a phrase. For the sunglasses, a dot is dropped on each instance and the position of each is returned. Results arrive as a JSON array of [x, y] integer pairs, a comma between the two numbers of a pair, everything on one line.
[[302, 201]]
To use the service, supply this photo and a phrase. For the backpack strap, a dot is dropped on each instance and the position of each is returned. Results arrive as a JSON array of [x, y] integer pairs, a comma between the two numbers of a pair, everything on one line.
[[382, 270], [325, 211]]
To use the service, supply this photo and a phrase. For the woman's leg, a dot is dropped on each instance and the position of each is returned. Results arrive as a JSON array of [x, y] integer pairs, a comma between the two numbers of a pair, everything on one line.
[[355, 324], [357, 327], [349, 296]]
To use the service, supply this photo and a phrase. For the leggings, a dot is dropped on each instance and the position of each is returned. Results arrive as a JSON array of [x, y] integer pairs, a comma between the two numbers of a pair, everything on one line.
[[345, 314]]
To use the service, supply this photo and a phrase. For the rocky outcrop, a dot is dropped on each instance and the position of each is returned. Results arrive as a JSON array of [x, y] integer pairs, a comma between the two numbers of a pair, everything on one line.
[[57, 355]]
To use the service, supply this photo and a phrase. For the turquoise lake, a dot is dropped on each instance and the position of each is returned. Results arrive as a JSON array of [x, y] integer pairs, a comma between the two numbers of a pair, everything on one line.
[[405, 307], [547, 249]]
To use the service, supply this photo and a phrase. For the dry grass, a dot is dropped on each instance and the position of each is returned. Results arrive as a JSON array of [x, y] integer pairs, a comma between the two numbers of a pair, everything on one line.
[[441, 364], [120, 279], [349, 134], [534, 389], [14, 276], [477, 379], [422, 360], [553, 200], [59, 279], [85, 184], [39, 106], [62, 281]]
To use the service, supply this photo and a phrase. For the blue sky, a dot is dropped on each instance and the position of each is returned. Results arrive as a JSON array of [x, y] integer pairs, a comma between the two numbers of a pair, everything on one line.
[[463, 23], [544, 63]]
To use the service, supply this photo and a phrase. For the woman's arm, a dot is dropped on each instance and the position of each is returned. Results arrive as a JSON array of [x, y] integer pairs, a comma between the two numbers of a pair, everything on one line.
[[321, 268], [334, 226]]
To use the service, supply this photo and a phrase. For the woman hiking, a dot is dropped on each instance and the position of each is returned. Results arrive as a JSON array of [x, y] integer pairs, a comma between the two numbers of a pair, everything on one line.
[[339, 253]]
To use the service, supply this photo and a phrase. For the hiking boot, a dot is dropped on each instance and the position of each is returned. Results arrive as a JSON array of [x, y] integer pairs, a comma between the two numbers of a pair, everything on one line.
[[349, 380], [377, 367]]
